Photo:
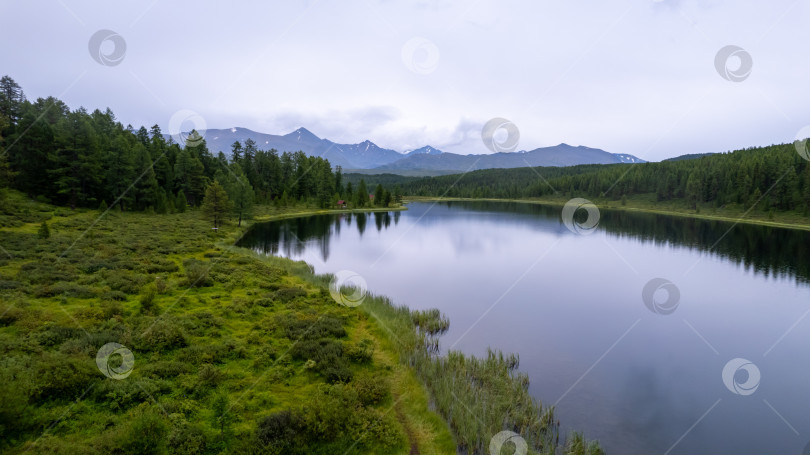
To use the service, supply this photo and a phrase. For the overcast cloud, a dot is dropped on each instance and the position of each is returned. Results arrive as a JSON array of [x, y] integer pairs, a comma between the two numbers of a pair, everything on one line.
[[633, 77]]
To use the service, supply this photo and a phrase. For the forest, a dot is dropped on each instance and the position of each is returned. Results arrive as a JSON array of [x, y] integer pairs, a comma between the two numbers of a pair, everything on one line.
[[776, 178], [87, 159]]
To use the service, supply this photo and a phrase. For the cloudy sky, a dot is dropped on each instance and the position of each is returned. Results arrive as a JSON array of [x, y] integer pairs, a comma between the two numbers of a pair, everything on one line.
[[637, 77]]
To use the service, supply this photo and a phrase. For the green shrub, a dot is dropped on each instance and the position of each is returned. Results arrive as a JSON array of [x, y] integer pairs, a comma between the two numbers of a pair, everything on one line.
[[112, 309], [208, 376], [162, 334], [66, 289], [125, 281], [281, 431], [43, 232], [114, 295], [187, 439], [122, 395], [361, 352], [9, 284], [146, 434], [46, 271], [54, 335], [15, 394], [161, 285], [216, 353], [328, 357], [378, 429], [63, 377], [323, 327], [371, 389], [159, 265], [147, 299], [166, 369], [285, 295], [196, 273], [332, 412], [9, 316], [264, 302]]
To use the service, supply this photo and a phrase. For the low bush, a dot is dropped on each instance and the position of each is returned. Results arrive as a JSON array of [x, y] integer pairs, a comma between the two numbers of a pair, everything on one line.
[[162, 334], [125, 281], [361, 352], [323, 327], [63, 377], [371, 389], [187, 439], [123, 395], [147, 299], [146, 434], [196, 273], [281, 431], [55, 335], [286, 295], [166, 369], [208, 376], [328, 357]]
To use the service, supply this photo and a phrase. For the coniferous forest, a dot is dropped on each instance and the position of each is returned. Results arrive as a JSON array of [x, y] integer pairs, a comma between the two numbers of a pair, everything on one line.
[[78, 158], [775, 176]]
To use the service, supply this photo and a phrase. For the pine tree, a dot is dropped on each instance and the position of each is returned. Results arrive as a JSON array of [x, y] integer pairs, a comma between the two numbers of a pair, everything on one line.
[[236, 151], [145, 189], [161, 206], [11, 99], [180, 202], [216, 204], [361, 199], [398, 194], [378, 195], [241, 193], [44, 232], [120, 171], [349, 195]]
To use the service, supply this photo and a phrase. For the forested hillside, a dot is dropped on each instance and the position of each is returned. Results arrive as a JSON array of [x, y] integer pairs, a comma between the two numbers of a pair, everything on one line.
[[776, 176], [87, 159]]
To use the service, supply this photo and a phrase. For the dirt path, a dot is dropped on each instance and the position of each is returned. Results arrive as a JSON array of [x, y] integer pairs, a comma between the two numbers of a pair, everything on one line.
[[408, 430]]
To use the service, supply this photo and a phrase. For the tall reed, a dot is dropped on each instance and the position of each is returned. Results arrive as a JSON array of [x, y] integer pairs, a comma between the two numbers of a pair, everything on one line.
[[478, 397]]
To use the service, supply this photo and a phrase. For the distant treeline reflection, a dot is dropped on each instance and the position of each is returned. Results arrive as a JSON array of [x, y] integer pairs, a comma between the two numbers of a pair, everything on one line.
[[767, 250], [291, 237]]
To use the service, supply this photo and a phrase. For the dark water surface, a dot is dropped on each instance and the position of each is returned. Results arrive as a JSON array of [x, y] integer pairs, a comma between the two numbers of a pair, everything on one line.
[[643, 379]]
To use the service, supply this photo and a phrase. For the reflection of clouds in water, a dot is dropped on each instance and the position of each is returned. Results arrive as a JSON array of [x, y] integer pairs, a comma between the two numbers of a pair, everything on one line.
[[653, 386], [767, 251], [655, 411]]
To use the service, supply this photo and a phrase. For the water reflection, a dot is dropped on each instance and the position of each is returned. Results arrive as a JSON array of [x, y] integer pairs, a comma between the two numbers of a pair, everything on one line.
[[766, 250]]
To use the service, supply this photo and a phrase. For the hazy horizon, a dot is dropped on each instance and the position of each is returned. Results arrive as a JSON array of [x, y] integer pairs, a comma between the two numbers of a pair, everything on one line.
[[633, 77]]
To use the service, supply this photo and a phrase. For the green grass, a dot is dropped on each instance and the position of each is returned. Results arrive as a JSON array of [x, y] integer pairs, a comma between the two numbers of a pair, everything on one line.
[[234, 352], [211, 327]]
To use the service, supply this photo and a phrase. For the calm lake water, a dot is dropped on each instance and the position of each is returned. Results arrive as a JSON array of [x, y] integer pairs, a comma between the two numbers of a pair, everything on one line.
[[641, 378]]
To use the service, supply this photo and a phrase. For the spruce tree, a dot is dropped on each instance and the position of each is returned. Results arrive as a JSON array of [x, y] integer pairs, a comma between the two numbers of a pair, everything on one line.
[[216, 204]]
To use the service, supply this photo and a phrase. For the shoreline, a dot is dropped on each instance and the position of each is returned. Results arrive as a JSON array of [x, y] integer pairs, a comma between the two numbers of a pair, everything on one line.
[[628, 208], [310, 212]]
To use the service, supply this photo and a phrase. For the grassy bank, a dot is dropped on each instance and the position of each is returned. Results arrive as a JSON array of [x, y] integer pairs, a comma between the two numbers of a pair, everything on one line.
[[731, 213], [231, 351]]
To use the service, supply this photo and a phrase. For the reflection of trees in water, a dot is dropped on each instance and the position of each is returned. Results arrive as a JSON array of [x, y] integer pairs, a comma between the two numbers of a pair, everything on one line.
[[767, 250], [382, 219], [361, 223], [291, 237]]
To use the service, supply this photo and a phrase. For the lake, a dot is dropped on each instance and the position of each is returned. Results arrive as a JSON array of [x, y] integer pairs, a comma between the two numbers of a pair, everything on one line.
[[713, 357]]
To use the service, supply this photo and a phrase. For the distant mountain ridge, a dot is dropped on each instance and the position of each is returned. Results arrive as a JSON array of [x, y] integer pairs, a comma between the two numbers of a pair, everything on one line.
[[556, 156], [368, 155]]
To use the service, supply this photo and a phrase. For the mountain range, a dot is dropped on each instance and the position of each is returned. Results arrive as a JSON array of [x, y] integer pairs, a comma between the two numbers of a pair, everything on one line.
[[369, 156]]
